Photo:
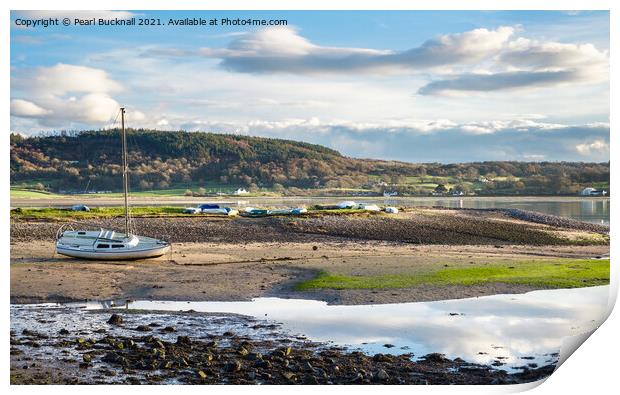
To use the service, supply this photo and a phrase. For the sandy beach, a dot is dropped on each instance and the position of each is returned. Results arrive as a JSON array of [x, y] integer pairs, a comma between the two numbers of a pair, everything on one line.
[[239, 259], [208, 271]]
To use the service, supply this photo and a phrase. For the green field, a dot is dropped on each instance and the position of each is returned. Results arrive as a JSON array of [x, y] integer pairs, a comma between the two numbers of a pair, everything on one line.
[[21, 193], [32, 194], [427, 184], [28, 193], [556, 273], [98, 212], [601, 185]]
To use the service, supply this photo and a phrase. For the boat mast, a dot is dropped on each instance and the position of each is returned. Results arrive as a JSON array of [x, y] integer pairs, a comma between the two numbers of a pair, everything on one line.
[[125, 168]]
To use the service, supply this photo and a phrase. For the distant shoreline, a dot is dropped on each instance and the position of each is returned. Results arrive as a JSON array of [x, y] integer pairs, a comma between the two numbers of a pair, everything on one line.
[[102, 200]]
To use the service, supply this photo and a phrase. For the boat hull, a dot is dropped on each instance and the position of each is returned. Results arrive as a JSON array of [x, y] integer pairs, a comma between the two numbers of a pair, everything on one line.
[[133, 254]]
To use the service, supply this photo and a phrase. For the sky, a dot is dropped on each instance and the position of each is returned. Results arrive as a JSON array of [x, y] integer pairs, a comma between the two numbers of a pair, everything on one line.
[[415, 86]]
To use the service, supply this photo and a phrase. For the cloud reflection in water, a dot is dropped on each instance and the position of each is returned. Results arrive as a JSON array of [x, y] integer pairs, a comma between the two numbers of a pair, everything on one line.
[[510, 326]]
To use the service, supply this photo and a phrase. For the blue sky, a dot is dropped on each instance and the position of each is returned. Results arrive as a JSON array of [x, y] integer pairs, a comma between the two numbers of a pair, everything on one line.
[[415, 86]]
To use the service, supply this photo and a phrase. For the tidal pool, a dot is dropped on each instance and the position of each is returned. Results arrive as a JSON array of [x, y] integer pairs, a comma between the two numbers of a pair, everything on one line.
[[514, 330]]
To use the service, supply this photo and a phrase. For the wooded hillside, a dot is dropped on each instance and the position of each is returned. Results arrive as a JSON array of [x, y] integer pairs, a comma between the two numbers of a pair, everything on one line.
[[161, 160]]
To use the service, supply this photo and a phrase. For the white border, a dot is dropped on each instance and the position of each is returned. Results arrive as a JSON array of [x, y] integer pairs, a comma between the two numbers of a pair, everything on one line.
[[593, 367]]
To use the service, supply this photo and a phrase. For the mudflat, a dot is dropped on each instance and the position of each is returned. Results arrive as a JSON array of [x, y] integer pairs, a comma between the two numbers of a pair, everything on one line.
[[243, 258]]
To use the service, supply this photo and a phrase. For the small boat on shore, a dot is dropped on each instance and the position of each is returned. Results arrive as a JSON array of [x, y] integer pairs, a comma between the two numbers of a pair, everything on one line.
[[256, 212], [104, 244], [350, 205], [217, 209], [213, 209], [368, 207]]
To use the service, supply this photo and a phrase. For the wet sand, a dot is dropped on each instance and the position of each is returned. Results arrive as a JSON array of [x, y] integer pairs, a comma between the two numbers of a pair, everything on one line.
[[224, 272], [223, 258]]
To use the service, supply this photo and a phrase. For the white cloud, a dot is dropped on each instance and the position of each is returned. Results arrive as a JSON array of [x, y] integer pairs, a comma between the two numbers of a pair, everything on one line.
[[519, 125], [24, 108], [498, 81], [92, 108], [282, 49], [64, 78], [424, 140], [468, 47], [600, 147], [480, 60], [529, 63], [47, 90], [551, 55], [160, 85]]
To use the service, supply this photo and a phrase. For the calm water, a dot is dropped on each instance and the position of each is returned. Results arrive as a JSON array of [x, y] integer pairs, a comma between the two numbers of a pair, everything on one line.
[[595, 210], [588, 210], [505, 326], [514, 329]]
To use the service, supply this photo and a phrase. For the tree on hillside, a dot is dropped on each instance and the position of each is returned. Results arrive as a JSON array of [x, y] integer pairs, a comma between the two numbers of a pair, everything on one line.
[[462, 188], [279, 188]]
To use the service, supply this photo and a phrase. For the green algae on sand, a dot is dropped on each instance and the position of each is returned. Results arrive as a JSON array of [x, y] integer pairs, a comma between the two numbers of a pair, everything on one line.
[[549, 273]]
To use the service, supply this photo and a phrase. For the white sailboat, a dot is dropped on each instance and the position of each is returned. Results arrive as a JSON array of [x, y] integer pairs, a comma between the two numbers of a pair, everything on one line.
[[104, 244]]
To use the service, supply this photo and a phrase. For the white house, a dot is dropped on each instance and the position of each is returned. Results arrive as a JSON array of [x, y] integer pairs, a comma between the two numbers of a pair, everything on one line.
[[241, 191]]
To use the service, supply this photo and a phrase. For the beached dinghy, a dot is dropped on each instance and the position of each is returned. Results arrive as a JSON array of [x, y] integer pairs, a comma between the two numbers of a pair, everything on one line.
[[106, 244], [257, 212], [217, 209]]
